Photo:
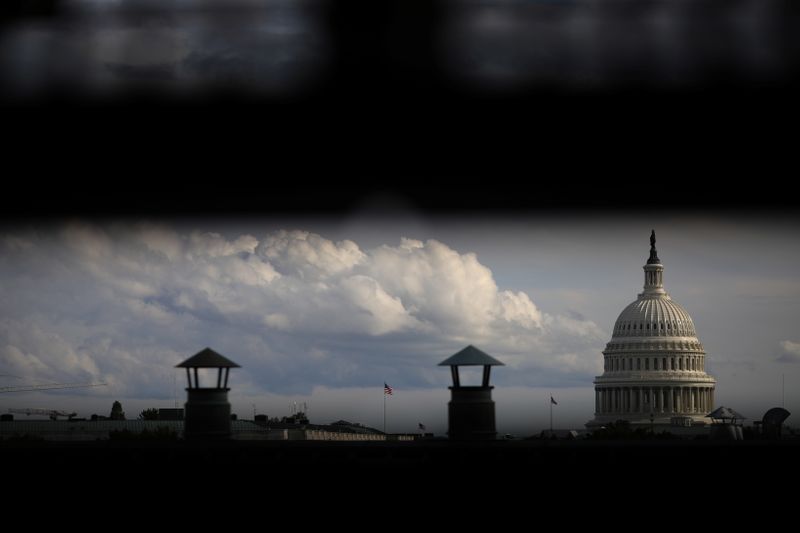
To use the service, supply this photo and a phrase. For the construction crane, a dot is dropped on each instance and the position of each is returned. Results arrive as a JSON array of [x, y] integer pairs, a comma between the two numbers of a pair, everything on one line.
[[50, 386], [52, 413]]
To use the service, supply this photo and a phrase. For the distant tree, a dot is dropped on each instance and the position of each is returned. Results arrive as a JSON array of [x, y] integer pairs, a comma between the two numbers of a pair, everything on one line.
[[116, 411], [149, 414]]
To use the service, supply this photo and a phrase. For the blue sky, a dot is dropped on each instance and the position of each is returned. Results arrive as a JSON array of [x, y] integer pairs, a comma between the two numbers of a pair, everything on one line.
[[324, 309]]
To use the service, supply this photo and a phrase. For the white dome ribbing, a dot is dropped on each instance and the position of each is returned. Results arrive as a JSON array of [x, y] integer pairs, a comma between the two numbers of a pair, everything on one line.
[[654, 317]]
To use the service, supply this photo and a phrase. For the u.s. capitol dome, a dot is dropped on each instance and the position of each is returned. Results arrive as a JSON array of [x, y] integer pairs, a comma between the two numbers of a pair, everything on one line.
[[654, 365]]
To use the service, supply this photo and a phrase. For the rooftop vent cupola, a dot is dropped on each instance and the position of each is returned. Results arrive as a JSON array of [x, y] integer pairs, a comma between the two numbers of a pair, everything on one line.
[[208, 412], [470, 412]]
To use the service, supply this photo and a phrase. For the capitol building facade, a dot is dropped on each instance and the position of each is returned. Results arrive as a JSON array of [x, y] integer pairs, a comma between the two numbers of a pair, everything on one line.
[[654, 365]]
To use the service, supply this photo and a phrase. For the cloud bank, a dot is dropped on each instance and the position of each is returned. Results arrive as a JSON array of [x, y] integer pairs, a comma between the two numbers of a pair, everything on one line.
[[124, 303]]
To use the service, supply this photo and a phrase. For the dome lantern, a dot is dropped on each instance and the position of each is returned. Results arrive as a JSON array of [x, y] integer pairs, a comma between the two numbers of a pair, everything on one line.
[[653, 271]]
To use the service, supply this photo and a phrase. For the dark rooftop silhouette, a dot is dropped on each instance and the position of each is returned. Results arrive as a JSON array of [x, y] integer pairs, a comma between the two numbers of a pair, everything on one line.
[[776, 415], [207, 358], [471, 356]]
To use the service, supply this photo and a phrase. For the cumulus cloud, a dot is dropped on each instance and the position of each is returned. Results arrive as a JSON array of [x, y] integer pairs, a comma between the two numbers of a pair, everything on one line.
[[125, 303], [308, 255], [29, 348], [791, 352]]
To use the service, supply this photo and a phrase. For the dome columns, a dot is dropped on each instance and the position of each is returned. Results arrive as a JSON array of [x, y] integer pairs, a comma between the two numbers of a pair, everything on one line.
[[669, 400]]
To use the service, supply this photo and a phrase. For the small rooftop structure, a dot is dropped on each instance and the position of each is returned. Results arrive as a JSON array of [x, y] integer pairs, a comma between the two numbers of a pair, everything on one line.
[[776, 416], [207, 410], [729, 429], [471, 408], [772, 422], [207, 358], [471, 356], [725, 413]]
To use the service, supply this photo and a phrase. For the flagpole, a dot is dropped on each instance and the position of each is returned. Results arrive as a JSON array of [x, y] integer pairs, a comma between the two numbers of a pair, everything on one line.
[[384, 408], [551, 415]]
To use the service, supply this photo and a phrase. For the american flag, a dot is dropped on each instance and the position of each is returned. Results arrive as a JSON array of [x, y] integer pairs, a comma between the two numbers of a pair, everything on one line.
[[421, 426], [386, 388]]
